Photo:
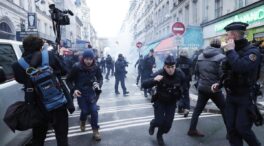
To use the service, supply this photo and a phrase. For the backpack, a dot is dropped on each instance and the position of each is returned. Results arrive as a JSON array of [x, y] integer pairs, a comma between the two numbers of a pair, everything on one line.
[[45, 83]]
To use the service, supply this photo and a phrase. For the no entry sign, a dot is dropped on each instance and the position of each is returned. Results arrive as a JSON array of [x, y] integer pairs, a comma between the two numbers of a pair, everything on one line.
[[139, 44], [178, 28]]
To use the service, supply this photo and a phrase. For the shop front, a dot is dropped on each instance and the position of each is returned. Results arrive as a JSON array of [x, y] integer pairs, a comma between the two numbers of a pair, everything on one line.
[[252, 14]]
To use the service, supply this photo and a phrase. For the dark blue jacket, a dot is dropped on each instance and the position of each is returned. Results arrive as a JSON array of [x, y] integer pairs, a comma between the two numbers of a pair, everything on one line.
[[82, 78], [148, 64], [120, 67], [185, 64], [243, 63]]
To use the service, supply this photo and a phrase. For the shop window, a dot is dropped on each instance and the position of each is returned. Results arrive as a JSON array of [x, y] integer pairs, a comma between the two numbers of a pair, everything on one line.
[[7, 58]]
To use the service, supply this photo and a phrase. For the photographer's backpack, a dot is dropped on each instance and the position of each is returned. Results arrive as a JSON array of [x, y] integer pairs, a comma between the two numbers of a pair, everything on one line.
[[45, 83]]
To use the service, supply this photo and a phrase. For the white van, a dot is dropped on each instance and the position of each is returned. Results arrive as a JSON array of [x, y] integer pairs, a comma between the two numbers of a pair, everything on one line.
[[10, 91]]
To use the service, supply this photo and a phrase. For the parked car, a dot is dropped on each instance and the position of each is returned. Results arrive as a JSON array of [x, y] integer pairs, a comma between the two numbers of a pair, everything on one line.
[[10, 91]]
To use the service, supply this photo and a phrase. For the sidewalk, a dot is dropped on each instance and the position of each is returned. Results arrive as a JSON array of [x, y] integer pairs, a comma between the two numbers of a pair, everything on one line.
[[211, 107]]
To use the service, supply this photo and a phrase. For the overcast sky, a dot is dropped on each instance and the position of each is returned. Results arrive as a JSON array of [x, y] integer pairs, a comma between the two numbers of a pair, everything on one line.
[[107, 16]]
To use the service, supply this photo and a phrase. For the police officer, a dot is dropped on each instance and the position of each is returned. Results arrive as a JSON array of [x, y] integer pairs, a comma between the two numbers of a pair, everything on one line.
[[109, 65], [139, 64], [241, 70], [58, 118], [120, 74], [208, 68], [148, 64], [85, 80], [185, 64], [170, 87], [102, 64]]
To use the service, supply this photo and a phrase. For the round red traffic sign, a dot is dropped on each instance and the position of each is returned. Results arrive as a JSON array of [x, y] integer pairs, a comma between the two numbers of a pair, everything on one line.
[[178, 28], [139, 44]]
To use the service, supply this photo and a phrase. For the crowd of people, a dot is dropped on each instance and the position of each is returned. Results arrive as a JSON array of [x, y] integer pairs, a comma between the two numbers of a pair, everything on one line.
[[233, 66]]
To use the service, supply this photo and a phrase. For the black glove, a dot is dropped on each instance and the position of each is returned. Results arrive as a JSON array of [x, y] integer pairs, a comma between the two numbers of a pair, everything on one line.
[[71, 109]]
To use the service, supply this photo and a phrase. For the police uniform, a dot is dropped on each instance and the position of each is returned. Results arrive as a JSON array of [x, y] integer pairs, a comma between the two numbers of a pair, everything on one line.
[[168, 91], [185, 64], [242, 65]]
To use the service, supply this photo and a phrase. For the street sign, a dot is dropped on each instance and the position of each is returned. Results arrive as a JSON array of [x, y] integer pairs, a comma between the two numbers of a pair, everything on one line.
[[20, 35], [178, 28], [32, 21], [178, 40], [139, 45]]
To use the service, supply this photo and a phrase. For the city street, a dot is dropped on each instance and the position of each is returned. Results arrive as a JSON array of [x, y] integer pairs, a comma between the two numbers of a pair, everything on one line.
[[124, 121]]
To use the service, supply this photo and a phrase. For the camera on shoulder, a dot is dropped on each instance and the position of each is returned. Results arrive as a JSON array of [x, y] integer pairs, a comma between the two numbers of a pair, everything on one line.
[[60, 17]]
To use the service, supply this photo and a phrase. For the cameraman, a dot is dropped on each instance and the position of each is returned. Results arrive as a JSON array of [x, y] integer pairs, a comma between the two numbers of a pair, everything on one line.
[[171, 86], [85, 81], [58, 117]]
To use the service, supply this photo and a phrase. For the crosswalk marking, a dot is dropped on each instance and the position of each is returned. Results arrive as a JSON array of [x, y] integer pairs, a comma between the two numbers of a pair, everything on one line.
[[121, 126]]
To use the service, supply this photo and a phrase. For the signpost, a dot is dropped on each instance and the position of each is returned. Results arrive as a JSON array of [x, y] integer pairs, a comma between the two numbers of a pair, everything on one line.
[[178, 30], [139, 45]]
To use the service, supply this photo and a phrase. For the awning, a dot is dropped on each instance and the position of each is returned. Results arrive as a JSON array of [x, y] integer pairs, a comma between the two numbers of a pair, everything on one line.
[[165, 45], [146, 49]]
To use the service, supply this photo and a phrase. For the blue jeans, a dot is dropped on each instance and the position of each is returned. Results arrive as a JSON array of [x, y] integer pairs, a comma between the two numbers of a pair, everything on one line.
[[88, 108]]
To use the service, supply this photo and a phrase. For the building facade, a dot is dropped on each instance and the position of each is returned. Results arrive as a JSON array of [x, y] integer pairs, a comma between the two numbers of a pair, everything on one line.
[[13, 17], [249, 11]]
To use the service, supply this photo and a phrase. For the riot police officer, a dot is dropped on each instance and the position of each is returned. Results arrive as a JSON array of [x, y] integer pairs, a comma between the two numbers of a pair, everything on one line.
[[240, 77], [120, 74], [185, 64], [140, 68], [170, 87], [148, 64]]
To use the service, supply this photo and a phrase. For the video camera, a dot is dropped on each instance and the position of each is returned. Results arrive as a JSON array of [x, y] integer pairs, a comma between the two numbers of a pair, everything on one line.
[[60, 17]]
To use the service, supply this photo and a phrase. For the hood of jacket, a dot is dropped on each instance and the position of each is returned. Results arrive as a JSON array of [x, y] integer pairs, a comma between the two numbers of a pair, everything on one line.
[[211, 52]]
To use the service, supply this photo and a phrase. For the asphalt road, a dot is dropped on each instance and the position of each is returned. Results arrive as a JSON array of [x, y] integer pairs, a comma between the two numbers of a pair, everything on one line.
[[124, 121]]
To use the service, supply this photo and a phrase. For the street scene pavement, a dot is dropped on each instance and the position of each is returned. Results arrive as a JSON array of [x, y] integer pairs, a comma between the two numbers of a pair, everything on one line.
[[124, 121]]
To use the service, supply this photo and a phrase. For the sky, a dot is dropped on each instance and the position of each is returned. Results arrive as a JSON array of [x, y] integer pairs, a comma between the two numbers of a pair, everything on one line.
[[107, 16]]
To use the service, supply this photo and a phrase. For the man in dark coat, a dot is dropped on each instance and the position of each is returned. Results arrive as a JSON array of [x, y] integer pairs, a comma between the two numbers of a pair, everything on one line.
[[109, 65], [147, 65], [208, 69], [58, 117], [139, 63], [185, 64], [120, 74]]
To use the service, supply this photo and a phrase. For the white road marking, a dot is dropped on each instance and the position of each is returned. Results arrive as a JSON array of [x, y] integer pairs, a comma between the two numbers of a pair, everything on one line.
[[125, 126]]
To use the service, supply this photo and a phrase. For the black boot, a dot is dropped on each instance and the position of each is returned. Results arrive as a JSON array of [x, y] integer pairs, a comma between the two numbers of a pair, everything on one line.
[[151, 129], [160, 138]]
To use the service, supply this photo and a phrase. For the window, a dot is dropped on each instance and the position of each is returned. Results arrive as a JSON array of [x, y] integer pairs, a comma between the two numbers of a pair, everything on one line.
[[240, 4], [205, 10], [218, 8], [7, 58], [187, 14], [195, 12], [21, 4]]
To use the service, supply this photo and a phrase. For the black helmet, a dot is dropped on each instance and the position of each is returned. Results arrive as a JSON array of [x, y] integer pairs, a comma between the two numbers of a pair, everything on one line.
[[170, 60]]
